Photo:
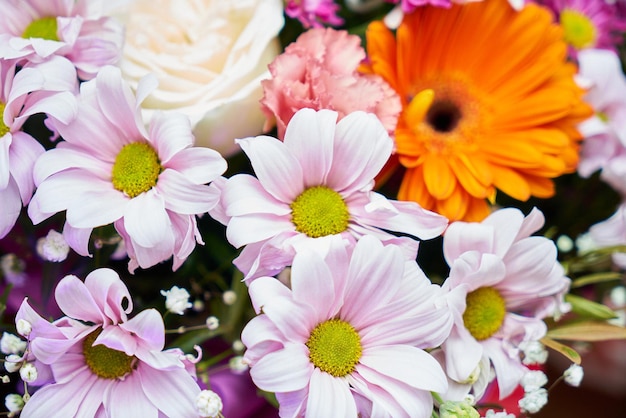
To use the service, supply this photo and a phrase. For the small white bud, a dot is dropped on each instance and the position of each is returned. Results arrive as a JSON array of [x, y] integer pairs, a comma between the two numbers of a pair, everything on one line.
[[237, 364], [534, 352], [208, 404], [198, 305], [12, 344], [24, 327], [238, 346], [176, 300], [564, 243], [212, 323], [53, 247], [13, 362], [5, 379], [532, 402], [14, 402], [533, 380], [573, 375], [28, 373], [229, 297], [13, 269]]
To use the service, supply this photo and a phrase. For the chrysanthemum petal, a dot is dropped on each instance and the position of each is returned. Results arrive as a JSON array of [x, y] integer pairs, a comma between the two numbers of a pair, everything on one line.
[[146, 220], [244, 194], [128, 400], [198, 165], [169, 134], [182, 196], [165, 389], [75, 300], [329, 396], [286, 370], [315, 287], [242, 230]]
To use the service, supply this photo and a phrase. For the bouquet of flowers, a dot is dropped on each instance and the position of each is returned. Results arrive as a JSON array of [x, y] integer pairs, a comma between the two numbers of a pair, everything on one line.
[[317, 208]]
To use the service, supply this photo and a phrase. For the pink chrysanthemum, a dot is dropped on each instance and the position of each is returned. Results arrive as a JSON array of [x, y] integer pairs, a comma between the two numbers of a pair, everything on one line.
[[104, 364], [75, 29], [610, 232], [34, 89], [347, 338], [319, 71], [150, 184], [313, 13], [604, 147], [314, 185], [588, 23], [504, 281]]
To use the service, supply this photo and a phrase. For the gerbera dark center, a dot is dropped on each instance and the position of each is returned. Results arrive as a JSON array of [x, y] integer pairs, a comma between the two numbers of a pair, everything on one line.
[[484, 313], [45, 28], [105, 362], [443, 116], [320, 211], [578, 30], [3, 128], [335, 347], [136, 169]]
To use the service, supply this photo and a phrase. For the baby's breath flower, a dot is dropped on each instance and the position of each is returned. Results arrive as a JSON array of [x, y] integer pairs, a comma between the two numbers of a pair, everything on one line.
[[533, 380], [212, 323], [12, 344], [14, 403], [12, 363], [176, 300], [229, 297], [532, 402], [534, 352], [28, 373], [503, 414], [573, 375], [208, 404], [53, 247], [23, 327], [5, 379], [237, 364], [238, 346]]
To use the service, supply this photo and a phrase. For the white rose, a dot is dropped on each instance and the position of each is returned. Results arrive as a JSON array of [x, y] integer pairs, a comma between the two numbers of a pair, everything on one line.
[[209, 57]]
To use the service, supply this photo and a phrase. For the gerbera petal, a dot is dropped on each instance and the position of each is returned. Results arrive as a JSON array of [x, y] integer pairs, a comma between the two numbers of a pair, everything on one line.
[[277, 169], [286, 370], [309, 137], [329, 396], [439, 177]]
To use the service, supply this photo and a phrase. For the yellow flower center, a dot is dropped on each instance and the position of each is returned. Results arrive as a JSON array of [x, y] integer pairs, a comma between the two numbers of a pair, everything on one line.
[[334, 347], [3, 128], [105, 362], [320, 211], [484, 313], [136, 169], [578, 30], [45, 28]]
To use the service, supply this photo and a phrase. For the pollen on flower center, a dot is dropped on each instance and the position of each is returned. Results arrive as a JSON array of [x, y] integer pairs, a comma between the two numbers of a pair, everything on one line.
[[334, 347], [45, 28], [484, 313], [106, 362], [136, 169], [578, 30], [3, 128], [320, 211]]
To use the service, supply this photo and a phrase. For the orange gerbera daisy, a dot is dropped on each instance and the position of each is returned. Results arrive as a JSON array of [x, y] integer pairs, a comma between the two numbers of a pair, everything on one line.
[[489, 102]]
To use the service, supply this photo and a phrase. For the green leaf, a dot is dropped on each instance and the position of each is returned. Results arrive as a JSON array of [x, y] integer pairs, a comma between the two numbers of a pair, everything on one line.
[[596, 278], [589, 309], [567, 351], [588, 331]]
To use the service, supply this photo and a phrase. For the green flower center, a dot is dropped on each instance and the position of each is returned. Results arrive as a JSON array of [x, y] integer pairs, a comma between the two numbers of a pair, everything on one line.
[[45, 28], [320, 211], [3, 128], [484, 313], [105, 362], [578, 30], [136, 169], [334, 347]]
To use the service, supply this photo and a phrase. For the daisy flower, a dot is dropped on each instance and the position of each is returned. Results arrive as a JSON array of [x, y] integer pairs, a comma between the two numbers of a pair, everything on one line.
[[347, 338], [483, 110], [34, 89], [150, 184], [508, 281], [75, 29], [588, 23], [314, 185], [104, 364]]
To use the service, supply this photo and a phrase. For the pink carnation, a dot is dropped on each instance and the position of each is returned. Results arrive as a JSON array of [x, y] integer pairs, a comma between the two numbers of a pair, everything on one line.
[[319, 71], [104, 364], [313, 13], [504, 282], [34, 89], [75, 29]]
